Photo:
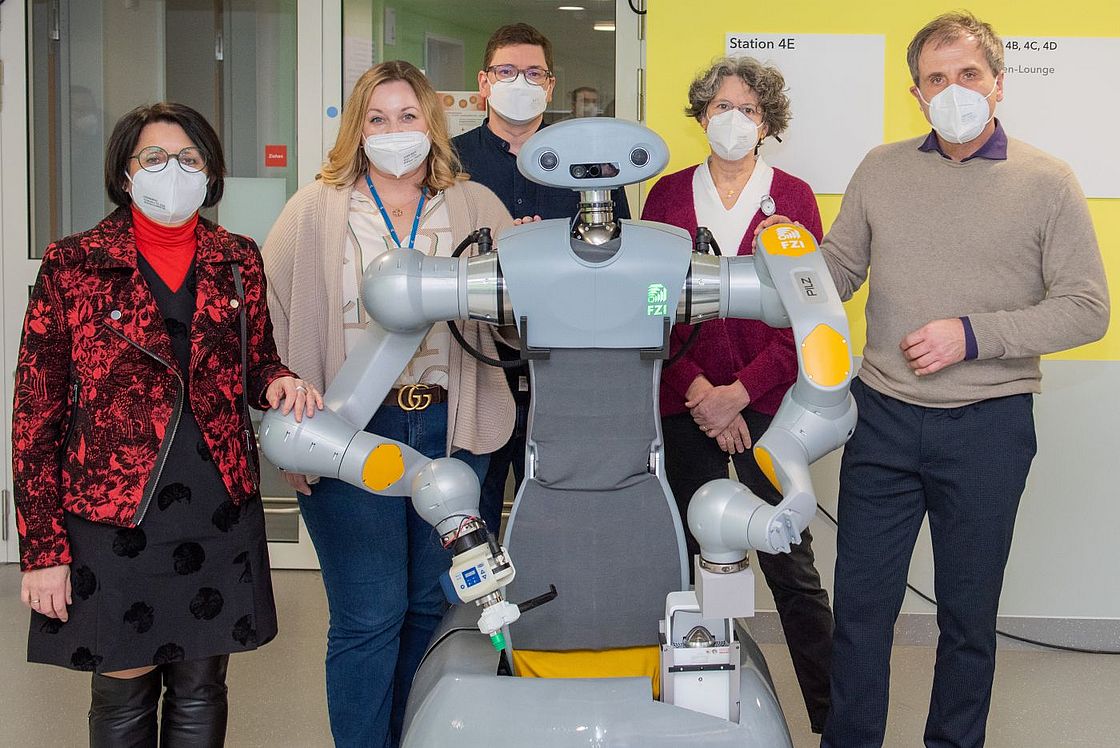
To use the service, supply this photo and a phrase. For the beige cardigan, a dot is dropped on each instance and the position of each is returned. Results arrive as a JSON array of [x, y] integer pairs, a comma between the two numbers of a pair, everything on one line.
[[307, 243]]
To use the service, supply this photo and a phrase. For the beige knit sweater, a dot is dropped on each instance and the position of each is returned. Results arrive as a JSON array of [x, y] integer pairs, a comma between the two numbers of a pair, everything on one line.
[[303, 262], [1010, 244]]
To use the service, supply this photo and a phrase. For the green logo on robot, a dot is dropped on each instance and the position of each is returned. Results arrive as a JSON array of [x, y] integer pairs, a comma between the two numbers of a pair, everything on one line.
[[656, 296]]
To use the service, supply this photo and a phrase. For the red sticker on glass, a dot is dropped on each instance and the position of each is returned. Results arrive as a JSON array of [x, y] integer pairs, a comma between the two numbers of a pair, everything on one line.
[[276, 155]]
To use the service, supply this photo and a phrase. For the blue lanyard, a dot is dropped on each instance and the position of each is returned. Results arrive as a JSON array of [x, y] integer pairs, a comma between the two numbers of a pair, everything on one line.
[[415, 220]]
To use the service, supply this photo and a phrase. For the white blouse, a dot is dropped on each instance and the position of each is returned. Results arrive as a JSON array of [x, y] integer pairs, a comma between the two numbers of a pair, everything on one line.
[[367, 237], [728, 225]]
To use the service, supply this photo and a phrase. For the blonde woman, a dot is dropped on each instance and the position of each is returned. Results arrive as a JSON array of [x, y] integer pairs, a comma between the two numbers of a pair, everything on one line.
[[391, 180]]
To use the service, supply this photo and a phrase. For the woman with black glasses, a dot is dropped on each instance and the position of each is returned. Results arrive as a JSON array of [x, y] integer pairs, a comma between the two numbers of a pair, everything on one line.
[[141, 530]]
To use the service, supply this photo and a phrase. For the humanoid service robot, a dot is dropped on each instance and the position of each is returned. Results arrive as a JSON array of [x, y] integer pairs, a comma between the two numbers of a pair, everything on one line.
[[593, 300]]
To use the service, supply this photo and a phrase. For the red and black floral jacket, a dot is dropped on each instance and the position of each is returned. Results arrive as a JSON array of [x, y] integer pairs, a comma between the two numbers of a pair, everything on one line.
[[98, 391]]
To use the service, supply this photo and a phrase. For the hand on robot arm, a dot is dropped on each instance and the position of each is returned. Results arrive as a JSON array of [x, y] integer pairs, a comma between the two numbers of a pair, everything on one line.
[[773, 220], [405, 293], [397, 292]]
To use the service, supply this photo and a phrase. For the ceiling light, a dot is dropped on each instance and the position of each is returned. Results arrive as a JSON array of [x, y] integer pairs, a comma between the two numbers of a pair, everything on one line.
[[570, 7], [604, 26]]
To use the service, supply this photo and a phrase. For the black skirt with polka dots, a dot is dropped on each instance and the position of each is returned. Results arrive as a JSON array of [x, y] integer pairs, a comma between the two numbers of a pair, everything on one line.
[[191, 580]]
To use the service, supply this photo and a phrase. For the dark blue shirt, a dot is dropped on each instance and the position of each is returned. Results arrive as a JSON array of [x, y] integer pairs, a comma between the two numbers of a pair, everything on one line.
[[995, 149], [487, 159]]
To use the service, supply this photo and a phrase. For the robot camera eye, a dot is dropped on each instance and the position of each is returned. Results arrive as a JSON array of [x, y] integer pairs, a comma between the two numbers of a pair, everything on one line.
[[548, 160], [639, 157], [594, 171]]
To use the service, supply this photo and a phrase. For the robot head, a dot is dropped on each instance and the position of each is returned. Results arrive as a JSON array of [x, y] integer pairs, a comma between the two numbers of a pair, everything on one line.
[[592, 154]]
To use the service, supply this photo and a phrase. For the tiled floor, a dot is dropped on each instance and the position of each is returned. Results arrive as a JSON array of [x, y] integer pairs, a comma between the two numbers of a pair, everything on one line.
[[1042, 699]]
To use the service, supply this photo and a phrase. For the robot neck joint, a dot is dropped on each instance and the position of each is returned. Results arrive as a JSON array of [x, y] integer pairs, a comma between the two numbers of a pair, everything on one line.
[[596, 224]]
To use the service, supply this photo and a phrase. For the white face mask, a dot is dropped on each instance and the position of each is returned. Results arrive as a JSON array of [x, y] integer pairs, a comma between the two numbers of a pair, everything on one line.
[[959, 114], [170, 195], [518, 101], [587, 110], [398, 153], [732, 135]]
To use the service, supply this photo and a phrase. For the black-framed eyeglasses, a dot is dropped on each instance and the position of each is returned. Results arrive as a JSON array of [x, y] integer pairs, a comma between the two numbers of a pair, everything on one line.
[[154, 158], [535, 75]]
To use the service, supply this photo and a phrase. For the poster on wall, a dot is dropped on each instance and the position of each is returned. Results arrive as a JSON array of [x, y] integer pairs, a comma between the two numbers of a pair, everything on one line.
[[465, 110], [1059, 96], [835, 86]]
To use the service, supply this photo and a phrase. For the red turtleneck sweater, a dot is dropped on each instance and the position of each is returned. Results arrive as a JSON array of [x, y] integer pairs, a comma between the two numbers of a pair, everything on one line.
[[168, 249]]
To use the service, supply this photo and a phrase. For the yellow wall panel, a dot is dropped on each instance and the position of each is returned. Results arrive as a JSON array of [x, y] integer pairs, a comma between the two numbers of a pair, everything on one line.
[[683, 37]]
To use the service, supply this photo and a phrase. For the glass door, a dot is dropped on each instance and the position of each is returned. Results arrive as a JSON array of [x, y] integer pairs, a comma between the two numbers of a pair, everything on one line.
[[94, 60], [259, 70]]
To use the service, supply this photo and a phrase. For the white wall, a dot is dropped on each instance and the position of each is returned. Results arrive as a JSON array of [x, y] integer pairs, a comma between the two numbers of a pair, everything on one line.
[[1066, 553]]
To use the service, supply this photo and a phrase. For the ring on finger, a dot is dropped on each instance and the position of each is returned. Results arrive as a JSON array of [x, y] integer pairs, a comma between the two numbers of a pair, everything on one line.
[[300, 388]]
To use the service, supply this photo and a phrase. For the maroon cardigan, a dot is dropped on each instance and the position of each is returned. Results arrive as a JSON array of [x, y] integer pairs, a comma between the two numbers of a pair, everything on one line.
[[762, 358]]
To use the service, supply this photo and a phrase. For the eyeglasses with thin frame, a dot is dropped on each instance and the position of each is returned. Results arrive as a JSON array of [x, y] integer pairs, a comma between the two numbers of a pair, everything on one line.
[[154, 158], [752, 111], [535, 75]]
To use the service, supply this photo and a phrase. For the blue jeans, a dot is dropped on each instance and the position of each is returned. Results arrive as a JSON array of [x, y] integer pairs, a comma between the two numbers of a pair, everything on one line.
[[966, 468], [381, 565]]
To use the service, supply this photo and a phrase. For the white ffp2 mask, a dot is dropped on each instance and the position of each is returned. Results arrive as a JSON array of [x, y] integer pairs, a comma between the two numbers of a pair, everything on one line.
[[169, 196], [517, 101], [732, 135], [398, 153], [959, 114]]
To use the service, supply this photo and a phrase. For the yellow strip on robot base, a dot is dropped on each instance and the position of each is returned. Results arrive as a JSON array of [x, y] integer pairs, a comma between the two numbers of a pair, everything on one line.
[[383, 467], [627, 662], [826, 356], [766, 464], [788, 240]]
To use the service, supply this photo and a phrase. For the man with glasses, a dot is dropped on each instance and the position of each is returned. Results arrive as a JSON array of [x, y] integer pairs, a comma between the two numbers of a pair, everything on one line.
[[517, 82]]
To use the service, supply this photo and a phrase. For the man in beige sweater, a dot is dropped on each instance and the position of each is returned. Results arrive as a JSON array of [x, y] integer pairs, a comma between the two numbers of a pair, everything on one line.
[[983, 258]]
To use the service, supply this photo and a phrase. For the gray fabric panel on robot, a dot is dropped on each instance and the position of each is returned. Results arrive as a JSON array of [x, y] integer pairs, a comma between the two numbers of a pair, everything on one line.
[[595, 522]]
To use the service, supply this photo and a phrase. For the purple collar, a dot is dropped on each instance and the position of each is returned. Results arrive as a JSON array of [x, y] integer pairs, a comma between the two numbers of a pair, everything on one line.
[[993, 150]]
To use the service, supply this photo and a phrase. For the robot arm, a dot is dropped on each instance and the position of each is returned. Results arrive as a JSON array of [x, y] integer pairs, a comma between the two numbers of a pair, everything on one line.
[[405, 293], [785, 283]]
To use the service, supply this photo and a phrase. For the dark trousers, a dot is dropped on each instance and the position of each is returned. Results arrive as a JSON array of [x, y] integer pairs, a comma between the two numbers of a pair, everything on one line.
[[692, 459], [965, 467]]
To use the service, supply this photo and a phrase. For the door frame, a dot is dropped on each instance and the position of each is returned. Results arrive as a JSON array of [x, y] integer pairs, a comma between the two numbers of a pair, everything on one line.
[[17, 269]]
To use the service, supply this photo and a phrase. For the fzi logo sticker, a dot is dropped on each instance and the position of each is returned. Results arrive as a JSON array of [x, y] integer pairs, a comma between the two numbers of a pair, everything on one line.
[[790, 238], [657, 297]]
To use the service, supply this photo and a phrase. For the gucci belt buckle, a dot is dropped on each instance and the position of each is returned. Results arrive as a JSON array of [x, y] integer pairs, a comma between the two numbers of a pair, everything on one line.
[[414, 397]]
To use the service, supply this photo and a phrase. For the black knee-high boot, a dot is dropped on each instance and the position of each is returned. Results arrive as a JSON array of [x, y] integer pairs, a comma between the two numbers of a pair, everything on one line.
[[122, 712], [194, 705]]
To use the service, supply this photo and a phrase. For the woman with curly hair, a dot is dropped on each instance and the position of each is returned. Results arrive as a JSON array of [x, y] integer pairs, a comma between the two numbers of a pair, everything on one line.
[[724, 391]]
